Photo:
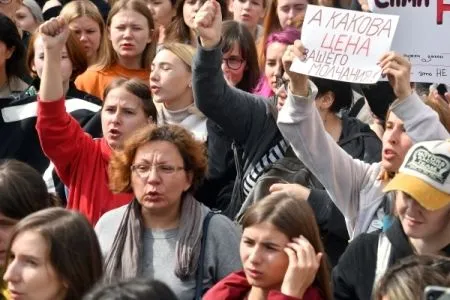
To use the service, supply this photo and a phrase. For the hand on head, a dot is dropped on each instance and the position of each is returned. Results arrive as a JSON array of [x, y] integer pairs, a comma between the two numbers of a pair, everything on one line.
[[208, 24], [294, 190], [398, 70], [54, 33], [302, 269]]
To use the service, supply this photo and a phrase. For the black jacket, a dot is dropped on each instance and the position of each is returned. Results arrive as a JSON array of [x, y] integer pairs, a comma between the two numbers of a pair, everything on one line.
[[354, 276]]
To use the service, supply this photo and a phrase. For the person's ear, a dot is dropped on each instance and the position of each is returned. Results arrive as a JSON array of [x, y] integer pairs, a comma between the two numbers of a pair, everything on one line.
[[327, 100], [231, 6], [189, 179], [10, 52]]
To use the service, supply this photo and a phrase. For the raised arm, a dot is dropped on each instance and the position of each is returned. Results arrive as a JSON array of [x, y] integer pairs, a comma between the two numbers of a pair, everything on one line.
[[61, 137], [300, 123], [237, 112]]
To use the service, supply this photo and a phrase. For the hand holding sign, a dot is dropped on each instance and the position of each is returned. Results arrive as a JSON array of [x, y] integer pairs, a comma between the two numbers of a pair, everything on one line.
[[298, 83], [398, 70], [208, 24]]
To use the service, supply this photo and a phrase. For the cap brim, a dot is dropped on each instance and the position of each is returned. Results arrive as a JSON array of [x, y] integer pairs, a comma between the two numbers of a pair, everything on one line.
[[427, 195]]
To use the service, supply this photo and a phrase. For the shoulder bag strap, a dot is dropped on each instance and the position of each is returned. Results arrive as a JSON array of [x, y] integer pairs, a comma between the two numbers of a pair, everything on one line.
[[201, 259]]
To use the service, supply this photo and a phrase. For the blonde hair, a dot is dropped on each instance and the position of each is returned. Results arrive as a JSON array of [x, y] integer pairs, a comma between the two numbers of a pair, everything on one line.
[[83, 8], [109, 58], [183, 51]]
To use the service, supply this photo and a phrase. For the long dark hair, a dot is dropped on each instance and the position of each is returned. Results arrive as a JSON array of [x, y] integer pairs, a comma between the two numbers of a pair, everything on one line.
[[74, 250], [22, 190], [236, 33], [9, 35], [293, 218]]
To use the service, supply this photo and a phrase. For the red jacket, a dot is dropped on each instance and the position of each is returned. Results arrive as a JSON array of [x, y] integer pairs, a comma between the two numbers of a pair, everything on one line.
[[80, 161], [236, 287]]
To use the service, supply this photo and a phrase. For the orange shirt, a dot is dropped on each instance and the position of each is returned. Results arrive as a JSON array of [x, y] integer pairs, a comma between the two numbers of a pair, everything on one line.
[[95, 81]]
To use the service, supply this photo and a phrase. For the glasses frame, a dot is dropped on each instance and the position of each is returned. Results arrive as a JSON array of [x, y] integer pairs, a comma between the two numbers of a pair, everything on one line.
[[227, 62], [159, 171]]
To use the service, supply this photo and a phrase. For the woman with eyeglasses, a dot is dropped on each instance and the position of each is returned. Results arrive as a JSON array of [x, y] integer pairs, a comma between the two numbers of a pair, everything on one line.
[[81, 161], [171, 87], [162, 233]]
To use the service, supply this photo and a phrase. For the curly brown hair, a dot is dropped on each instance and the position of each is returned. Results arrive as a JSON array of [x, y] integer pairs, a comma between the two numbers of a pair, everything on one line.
[[192, 151]]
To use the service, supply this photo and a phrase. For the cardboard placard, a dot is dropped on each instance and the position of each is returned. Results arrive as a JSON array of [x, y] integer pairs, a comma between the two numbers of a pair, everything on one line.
[[344, 45]]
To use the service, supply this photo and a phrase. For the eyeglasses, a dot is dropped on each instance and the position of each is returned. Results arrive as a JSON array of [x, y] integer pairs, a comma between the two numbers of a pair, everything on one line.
[[280, 81], [234, 63], [144, 170]]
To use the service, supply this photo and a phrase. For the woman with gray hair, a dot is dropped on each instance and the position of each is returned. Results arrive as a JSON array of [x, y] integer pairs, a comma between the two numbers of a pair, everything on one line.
[[29, 16], [164, 233]]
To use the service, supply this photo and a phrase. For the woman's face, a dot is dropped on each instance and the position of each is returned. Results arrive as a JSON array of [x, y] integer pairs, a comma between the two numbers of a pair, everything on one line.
[[289, 10], [129, 34], [169, 78], [162, 12], [25, 19], [418, 222], [233, 65], [6, 226], [190, 8], [263, 257], [248, 12], [38, 61], [158, 178], [396, 144], [122, 114], [274, 66], [89, 34], [30, 274]]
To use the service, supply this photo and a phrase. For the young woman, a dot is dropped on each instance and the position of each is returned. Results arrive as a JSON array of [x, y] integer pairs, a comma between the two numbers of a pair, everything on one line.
[[86, 22], [129, 52], [80, 161], [29, 16], [276, 44], [281, 14], [359, 195], [171, 86], [17, 131], [421, 226], [161, 233], [12, 58], [163, 13], [53, 255], [249, 13], [181, 29], [281, 253], [23, 192]]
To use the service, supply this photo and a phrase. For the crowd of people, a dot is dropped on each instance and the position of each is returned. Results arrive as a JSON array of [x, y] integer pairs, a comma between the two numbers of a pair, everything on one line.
[[163, 149]]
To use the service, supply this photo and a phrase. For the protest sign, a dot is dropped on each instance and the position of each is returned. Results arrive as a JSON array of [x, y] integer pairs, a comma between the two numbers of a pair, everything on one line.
[[344, 45], [422, 36]]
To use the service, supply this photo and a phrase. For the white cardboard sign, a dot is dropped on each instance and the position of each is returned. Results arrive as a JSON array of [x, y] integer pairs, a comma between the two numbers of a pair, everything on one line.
[[422, 35], [344, 45]]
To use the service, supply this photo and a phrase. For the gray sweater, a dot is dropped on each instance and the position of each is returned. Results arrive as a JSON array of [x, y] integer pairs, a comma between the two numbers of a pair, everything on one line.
[[351, 183], [221, 255]]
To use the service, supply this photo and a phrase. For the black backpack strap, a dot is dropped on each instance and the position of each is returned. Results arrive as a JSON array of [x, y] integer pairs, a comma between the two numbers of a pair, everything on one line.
[[201, 259], [355, 136], [356, 108]]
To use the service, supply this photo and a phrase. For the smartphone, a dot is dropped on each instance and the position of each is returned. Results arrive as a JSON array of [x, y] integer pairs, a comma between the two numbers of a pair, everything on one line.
[[433, 292]]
